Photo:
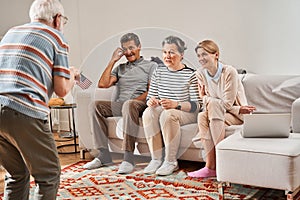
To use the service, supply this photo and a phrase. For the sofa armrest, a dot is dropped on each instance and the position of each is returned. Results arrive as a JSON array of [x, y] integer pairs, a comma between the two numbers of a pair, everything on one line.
[[105, 93], [108, 94], [296, 116], [84, 98]]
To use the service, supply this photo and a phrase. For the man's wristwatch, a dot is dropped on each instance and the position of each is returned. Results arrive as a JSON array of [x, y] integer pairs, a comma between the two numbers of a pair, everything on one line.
[[178, 107]]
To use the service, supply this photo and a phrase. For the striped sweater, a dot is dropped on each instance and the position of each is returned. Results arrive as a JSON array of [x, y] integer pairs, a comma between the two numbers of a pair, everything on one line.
[[30, 55], [178, 85]]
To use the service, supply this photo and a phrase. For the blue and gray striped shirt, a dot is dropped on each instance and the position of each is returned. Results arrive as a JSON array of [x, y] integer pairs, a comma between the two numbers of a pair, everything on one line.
[[30, 56]]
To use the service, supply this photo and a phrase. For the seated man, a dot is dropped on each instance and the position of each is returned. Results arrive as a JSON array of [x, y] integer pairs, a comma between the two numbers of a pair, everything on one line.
[[132, 79]]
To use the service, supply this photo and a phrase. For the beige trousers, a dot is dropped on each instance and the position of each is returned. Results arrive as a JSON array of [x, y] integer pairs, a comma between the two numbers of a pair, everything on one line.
[[162, 130], [212, 123]]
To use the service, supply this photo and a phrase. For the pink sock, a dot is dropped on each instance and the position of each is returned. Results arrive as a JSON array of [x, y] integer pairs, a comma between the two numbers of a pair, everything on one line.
[[202, 173]]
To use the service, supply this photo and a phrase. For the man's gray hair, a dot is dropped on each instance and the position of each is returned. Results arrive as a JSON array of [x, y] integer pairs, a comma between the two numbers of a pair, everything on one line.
[[45, 10], [130, 36]]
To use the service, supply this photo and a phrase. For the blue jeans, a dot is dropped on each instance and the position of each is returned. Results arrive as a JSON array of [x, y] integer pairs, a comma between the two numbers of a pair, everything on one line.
[[27, 147]]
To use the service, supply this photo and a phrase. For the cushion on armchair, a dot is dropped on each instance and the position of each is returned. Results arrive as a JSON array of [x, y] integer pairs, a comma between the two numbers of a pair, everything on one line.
[[267, 93], [289, 89]]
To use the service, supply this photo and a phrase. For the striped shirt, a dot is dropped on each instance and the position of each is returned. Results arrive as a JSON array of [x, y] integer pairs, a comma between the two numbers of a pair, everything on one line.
[[30, 56], [178, 85]]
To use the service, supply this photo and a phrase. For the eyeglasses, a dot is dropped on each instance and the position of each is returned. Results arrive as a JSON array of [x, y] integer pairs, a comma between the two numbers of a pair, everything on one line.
[[130, 48], [64, 18]]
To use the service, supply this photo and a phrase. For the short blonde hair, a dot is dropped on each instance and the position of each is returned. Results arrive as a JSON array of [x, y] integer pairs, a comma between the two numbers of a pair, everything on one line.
[[209, 46]]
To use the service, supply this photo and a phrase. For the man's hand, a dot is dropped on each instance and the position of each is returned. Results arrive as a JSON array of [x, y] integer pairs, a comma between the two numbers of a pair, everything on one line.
[[117, 54], [76, 73]]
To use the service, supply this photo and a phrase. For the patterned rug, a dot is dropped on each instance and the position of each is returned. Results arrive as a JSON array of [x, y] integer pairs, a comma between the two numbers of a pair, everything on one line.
[[105, 183]]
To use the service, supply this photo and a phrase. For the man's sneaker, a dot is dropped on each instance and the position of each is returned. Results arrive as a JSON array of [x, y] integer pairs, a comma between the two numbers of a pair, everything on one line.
[[96, 163], [152, 166], [125, 168], [167, 168]]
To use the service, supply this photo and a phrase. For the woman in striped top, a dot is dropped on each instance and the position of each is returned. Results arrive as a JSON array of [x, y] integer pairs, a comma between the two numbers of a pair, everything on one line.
[[173, 100]]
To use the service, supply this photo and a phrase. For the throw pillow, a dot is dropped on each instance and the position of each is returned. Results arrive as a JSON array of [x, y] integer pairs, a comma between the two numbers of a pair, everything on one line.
[[289, 88]]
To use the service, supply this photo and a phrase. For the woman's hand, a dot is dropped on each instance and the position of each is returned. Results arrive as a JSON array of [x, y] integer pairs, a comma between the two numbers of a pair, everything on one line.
[[168, 104], [247, 109], [153, 102], [202, 91]]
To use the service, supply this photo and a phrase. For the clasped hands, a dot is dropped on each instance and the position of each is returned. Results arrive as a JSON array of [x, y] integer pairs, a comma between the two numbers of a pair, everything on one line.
[[165, 103]]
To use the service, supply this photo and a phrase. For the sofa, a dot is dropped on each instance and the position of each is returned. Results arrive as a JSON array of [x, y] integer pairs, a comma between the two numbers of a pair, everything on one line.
[[261, 90]]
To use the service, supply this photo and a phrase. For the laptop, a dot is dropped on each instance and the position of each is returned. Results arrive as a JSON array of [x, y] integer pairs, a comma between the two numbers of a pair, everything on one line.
[[275, 125]]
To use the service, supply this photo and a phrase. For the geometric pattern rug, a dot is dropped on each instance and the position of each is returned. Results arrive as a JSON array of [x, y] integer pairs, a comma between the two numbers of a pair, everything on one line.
[[104, 183]]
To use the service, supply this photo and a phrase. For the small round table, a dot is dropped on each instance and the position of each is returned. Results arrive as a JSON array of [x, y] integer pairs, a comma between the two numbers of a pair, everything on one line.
[[71, 110]]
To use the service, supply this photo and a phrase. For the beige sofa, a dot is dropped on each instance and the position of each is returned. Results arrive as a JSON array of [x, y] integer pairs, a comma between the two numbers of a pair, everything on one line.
[[188, 151], [261, 90], [93, 66]]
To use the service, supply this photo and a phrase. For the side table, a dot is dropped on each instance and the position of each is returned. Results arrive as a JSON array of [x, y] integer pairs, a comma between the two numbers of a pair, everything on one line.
[[71, 110]]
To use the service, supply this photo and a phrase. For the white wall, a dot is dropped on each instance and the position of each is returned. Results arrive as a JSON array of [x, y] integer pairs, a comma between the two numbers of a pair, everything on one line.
[[259, 35]]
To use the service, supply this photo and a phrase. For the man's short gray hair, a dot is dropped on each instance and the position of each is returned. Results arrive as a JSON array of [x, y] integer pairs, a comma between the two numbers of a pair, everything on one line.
[[45, 10], [130, 36]]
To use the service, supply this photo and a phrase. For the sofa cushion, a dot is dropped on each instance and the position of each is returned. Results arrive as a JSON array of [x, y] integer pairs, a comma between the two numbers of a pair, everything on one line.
[[140, 134], [265, 92], [279, 146], [188, 132], [289, 88]]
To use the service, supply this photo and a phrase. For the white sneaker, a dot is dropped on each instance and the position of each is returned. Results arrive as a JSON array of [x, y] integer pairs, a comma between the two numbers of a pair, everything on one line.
[[167, 168], [152, 166], [96, 163], [125, 168]]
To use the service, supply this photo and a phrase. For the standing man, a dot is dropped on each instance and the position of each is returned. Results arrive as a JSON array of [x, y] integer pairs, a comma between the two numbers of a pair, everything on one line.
[[33, 65], [132, 79]]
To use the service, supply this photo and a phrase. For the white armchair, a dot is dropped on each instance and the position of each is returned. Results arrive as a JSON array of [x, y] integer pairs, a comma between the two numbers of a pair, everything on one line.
[[265, 162]]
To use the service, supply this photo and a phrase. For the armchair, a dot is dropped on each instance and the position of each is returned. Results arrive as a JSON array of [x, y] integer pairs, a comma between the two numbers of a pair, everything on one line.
[[265, 162]]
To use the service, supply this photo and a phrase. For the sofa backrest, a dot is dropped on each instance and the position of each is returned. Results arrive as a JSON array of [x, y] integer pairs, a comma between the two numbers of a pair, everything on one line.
[[271, 93]]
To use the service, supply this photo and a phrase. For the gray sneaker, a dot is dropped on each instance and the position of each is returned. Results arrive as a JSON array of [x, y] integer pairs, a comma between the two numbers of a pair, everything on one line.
[[152, 166], [125, 168], [96, 163], [167, 168]]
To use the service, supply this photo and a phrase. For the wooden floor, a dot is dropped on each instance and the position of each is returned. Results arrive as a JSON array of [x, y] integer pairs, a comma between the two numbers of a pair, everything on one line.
[[67, 159]]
